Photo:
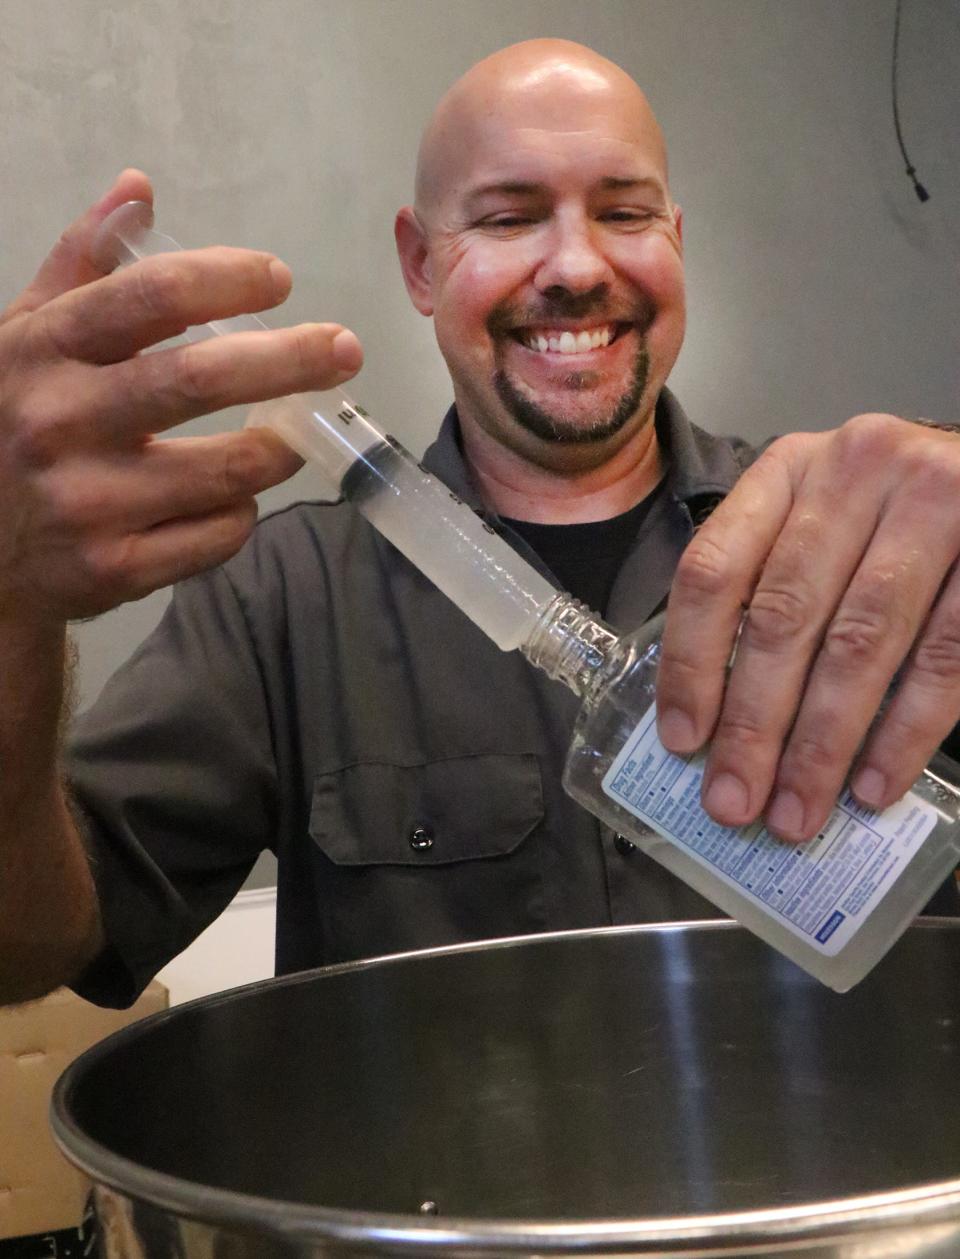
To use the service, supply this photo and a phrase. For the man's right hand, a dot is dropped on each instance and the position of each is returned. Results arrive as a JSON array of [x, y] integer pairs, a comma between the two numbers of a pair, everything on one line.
[[96, 510]]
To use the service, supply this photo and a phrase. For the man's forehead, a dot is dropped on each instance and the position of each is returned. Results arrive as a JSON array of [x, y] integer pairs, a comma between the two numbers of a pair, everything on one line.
[[531, 162]]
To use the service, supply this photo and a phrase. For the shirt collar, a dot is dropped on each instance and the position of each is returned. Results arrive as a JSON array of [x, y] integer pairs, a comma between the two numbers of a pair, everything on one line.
[[444, 458], [701, 468]]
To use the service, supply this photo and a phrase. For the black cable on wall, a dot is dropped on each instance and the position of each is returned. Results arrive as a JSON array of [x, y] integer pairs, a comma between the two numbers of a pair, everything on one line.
[[918, 187]]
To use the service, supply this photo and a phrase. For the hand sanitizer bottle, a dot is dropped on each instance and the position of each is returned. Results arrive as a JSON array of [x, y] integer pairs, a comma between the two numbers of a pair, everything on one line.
[[834, 905]]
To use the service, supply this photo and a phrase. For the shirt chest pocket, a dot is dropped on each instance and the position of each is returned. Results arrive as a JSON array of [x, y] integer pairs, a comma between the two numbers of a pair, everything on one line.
[[420, 855]]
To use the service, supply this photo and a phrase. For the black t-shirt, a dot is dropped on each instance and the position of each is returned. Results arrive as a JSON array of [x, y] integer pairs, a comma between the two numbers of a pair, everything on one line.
[[585, 558]]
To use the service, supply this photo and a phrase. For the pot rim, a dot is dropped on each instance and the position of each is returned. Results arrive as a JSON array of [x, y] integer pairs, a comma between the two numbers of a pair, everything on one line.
[[930, 1207]]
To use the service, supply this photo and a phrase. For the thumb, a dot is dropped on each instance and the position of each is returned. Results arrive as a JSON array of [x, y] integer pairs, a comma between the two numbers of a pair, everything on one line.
[[69, 265]]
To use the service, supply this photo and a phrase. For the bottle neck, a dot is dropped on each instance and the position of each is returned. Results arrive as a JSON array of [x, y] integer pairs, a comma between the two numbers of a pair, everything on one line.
[[570, 643]]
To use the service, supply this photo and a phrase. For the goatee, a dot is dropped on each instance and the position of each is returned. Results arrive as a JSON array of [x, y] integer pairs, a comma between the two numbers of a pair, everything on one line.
[[555, 428]]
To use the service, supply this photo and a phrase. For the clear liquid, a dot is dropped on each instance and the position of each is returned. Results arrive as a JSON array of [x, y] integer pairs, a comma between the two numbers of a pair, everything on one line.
[[609, 717], [450, 544]]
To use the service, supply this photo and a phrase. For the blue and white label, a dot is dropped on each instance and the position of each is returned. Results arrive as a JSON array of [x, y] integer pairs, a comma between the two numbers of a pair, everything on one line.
[[823, 890]]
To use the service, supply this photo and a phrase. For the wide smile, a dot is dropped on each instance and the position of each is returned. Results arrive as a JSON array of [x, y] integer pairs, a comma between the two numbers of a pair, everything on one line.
[[550, 339]]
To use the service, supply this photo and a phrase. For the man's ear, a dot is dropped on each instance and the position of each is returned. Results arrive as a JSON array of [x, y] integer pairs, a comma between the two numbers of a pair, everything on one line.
[[678, 222], [414, 258]]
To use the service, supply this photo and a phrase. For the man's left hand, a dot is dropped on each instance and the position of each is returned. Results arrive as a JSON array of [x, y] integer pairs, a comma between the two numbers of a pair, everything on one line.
[[835, 560]]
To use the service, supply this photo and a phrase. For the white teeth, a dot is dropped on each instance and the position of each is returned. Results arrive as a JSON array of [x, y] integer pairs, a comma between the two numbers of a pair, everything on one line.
[[569, 342]]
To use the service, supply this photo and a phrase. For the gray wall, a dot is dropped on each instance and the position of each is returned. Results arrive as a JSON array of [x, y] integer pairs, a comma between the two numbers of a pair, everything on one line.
[[819, 286]]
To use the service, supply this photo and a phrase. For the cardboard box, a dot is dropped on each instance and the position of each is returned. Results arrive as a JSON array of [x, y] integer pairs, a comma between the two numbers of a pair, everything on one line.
[[39, 1190]]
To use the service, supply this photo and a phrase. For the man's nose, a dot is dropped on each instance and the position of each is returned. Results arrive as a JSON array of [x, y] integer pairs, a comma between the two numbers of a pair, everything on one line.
[[573, 259]]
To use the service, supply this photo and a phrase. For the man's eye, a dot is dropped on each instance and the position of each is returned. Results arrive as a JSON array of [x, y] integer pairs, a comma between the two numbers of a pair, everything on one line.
[[627, 216], [506, 221]]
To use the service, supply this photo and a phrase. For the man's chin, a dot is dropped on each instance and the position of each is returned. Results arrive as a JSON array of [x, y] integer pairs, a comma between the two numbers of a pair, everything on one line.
[[582, 421], [568, 430]]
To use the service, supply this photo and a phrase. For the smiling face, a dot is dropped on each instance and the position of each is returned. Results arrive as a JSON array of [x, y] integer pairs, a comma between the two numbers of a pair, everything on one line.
[[545, 244]]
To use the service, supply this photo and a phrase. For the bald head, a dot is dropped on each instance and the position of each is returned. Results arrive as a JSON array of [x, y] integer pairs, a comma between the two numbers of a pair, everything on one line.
[[540, 83]]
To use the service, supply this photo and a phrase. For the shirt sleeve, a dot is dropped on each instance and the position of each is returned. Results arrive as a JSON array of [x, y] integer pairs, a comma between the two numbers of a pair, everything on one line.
[[173, 778]]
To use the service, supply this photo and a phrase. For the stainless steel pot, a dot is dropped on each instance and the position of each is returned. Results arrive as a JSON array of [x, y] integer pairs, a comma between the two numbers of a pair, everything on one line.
[[667, 1090]]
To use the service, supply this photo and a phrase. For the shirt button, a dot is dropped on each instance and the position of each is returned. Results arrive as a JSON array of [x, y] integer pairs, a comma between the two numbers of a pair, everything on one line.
[[623, 845], [421, 839]]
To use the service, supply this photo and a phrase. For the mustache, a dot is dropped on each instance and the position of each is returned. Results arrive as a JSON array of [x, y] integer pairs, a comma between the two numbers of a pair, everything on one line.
[[507, 316]]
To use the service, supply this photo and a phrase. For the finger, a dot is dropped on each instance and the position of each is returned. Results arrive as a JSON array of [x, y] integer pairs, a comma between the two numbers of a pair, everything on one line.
[[158, 298], [713, 582], [69, 264], [877, 619], [127, 568], [97, 408], [864, 645], [135, 491], [802, 582], [921, 713]]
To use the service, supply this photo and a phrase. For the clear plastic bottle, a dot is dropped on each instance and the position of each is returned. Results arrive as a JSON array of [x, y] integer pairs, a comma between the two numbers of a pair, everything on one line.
[[834, 905]]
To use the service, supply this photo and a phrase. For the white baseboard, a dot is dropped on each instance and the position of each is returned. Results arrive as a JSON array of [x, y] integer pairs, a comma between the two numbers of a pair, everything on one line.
[[236, 949]]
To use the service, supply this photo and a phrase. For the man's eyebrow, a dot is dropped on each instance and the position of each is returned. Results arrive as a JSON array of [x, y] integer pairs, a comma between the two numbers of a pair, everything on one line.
[[615, 183], [508, 188], [532, 188]]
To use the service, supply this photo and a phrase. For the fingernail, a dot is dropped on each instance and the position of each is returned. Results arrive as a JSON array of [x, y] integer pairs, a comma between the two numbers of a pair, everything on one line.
[[785, 815], [347, 352], [281, 275], [727, 799], [676, 731], [870, 787]]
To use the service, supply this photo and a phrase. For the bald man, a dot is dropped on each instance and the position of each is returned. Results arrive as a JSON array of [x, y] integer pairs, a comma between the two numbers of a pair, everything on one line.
[[314, 694]]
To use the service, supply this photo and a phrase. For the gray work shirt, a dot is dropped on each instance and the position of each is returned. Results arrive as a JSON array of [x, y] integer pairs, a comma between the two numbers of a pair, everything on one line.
[[319, 697]]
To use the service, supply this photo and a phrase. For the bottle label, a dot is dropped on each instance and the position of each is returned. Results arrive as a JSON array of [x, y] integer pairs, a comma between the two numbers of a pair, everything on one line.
[[822, 891]]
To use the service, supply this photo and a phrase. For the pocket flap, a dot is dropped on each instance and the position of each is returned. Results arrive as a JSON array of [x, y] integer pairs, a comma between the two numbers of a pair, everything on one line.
[[458, 809]]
